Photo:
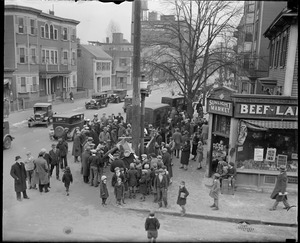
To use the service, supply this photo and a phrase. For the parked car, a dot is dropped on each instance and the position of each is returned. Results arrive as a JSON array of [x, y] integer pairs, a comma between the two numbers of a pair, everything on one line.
[[64, 125], [155, 114], [176, 101], [117, 95], [42, 114], [127, 102], [7, 138], [98, 100]]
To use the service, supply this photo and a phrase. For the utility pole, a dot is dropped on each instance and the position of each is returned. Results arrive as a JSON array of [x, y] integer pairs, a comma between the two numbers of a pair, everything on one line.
[[136, 123]]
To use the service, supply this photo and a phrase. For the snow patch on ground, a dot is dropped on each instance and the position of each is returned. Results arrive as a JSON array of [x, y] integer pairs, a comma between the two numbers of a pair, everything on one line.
[[19, 124]]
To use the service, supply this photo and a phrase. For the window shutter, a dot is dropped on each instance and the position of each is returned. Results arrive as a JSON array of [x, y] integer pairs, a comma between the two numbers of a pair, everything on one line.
[[28, 85], [18, 54], [26, 55], [18, 84], [62, 33], [16, 24], [62, 57]]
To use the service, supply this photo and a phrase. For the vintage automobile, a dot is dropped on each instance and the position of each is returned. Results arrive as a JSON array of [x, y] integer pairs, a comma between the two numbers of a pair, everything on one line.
[[98, 100], [176, 101], [156, 114], [7, 138], [127, 102], [42, 114], [117, 95], [64, 125]]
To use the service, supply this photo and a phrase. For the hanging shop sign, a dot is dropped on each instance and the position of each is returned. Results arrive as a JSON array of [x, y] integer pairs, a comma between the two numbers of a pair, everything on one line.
[[267, 111], [220, 107]]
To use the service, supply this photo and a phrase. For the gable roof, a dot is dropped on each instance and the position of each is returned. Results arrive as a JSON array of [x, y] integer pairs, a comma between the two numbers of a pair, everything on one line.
[[97, 52]]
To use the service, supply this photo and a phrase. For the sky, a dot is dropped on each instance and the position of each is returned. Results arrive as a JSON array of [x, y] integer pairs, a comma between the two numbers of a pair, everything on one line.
[[94, 16]]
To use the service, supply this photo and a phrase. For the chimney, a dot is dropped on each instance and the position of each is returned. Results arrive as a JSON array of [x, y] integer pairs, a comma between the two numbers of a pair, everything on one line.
[[107, 40], [51, 12]]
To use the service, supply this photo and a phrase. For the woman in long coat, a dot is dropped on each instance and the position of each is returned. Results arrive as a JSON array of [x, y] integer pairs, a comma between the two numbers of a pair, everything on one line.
[[185, 155], [77, 148]]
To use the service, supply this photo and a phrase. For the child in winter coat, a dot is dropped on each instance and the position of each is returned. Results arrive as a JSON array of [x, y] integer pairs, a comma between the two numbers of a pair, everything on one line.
[[67, 179], [117, 175], [132, 180], [215, 191], [152, 226], [182, 195], [119, 191], [143, 185], [103, 190]]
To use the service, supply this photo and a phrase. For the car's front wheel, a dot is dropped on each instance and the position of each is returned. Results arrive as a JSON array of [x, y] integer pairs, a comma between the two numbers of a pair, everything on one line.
[[7, 143]]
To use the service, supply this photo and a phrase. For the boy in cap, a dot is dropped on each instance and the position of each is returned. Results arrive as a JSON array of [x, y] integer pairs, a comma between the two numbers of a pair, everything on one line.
[[215, 191], [67, 179], [152, 226], [103, 190], [18, 172], [119, 191]]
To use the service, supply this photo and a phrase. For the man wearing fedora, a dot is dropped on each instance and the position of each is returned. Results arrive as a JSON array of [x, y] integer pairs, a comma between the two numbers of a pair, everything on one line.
[[279, 193], [18, 172]]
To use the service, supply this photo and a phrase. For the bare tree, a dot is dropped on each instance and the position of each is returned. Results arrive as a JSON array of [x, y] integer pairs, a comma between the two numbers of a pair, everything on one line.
[[188, 44]]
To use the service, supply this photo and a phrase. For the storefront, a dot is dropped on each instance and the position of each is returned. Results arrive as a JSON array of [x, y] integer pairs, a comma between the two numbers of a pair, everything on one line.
[[258, 132]]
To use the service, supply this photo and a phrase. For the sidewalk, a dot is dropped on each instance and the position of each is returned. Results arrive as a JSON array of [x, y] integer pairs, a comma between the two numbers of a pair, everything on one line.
[[252, 207]]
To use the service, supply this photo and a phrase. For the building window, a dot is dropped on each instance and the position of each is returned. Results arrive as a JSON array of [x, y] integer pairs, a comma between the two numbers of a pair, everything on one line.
[[22, 52], [35, 86], [283, 52], [65, 57], [33, 55], [46, 31], [65, 34], [98, 66], [52, 57], [277, 51], [55, 57], [51, 32], [21, 25], [23, 85], [73, 57], [106, 81], [32, 27], [43, 31], [55, 34], [47, 56], [123, 62], [43, 56]]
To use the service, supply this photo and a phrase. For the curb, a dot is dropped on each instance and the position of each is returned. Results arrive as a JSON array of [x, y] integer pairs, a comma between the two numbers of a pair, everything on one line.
[[216, 218]]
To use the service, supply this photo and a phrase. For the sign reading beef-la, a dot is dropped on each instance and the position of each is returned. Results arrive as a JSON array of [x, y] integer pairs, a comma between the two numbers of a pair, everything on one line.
[[246, 110], [220, 107]]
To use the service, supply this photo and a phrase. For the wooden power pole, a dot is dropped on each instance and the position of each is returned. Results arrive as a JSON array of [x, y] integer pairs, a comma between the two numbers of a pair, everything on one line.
[[136, 123]]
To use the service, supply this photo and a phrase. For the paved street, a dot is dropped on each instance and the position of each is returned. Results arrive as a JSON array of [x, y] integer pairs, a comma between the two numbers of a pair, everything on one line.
[[46, 216]]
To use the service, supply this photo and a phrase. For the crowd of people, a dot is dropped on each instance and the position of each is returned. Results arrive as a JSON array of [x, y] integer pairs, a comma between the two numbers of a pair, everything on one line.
[[94, 146]]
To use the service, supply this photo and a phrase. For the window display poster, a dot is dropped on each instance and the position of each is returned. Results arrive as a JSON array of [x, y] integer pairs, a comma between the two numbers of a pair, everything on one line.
[[281, 160], [294, 156], [271, 154], [258, 154]]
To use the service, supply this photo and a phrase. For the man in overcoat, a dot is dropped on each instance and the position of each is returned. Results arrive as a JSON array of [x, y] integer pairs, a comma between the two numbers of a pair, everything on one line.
[[63, 148], [41, 172], [85, 165], [177, 137], [279, 193], [166, 158], [54, 160], [18, 172], [161, 186], [77, 148]]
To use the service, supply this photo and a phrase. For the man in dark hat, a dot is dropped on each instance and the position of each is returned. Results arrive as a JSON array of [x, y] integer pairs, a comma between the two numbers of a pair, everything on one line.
[[63, 148], [18, 172], [151, 226], [54, 160], [279, 193], [161, 186], [41, 172]]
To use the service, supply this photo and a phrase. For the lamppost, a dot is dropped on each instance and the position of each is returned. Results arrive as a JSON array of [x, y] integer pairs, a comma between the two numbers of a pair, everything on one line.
[[144, 92]]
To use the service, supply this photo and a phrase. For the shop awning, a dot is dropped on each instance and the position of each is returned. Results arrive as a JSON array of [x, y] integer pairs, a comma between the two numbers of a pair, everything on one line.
[[274, 124], [268, 81]]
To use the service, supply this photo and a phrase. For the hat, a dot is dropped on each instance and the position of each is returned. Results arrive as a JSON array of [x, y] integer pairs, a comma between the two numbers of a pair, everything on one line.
[[146, 166], [90, 139], [231, 163], [96, 114], [103, 177], [127, 153], [68, 168], [144, 156], [164, 150], [43, 150], [53, 145], [17, 157], [93, 151], [60, 139], [117, 168], [128, 125], [159, 157], [282, 168], [131, 165], [144, 171], [151, 213], [217, 175], [160, 170]]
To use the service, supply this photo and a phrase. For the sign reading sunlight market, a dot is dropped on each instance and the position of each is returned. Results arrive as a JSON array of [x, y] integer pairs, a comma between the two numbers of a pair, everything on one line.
[[220, 107]]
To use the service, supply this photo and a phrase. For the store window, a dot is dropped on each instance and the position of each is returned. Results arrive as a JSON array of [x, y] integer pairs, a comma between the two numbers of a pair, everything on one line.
[[267, 149]]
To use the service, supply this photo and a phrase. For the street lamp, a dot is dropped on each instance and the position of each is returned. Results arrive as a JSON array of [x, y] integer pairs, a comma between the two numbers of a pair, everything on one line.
[[144, 92]]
